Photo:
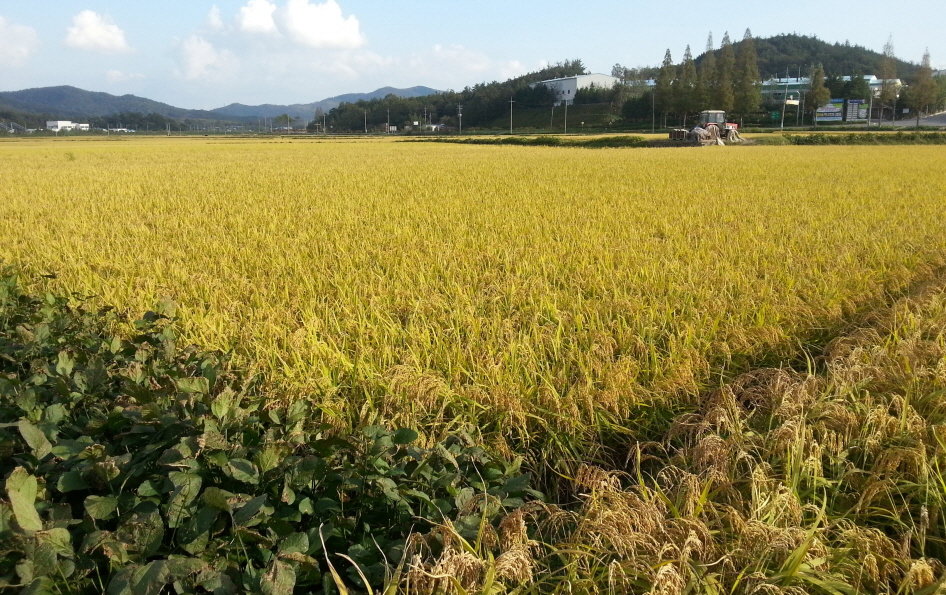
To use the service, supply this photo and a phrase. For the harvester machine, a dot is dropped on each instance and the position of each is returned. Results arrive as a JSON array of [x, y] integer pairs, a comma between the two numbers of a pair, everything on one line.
[[713, 129]]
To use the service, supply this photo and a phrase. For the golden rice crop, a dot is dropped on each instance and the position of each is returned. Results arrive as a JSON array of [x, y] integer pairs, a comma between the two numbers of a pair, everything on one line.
[[521, 288]]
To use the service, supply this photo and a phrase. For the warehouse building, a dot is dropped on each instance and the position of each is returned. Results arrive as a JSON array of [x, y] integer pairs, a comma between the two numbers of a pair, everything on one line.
[[566, 87], [63, 125]]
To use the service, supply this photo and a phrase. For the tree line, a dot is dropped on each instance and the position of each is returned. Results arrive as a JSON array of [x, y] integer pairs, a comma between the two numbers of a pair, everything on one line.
[[729, 79], [474, 106]]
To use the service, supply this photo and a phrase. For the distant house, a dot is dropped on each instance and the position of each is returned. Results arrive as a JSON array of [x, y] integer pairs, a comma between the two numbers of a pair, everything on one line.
[[565, 88], [63, 125]]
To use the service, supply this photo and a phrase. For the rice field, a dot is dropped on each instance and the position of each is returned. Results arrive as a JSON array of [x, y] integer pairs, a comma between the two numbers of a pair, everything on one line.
[[517, 289], [725, 366]]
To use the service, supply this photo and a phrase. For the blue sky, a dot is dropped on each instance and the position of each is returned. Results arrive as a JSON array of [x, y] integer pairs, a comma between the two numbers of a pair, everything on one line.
[[205, 54]]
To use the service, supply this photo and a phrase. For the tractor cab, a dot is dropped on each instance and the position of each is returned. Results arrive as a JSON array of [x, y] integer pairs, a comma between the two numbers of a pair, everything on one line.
[[717, 118]]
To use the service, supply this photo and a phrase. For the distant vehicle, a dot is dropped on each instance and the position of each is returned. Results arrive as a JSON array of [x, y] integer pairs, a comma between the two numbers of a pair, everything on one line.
[[713, 129]]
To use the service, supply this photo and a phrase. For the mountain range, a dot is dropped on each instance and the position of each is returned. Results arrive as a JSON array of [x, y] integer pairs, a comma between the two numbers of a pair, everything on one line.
[[787, 54], [66, 102]]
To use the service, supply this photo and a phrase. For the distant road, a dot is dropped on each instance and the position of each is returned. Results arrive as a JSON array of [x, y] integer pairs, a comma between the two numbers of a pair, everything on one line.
[[934, 120]]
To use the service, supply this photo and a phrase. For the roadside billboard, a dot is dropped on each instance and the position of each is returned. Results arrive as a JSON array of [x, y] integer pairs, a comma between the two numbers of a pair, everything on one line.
[[833, 111], [856, 110]]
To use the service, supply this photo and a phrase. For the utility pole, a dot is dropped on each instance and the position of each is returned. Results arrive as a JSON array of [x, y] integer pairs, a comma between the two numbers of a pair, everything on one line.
[[511, 101], [366, 121], [389, 122], [653, 111], [784, 100], [566, 116], [460, 116], [552, 119]]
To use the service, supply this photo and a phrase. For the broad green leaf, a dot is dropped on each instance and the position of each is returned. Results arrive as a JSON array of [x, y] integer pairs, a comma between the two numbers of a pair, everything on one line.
[[280, 579], [195, 534], [217, 498], [179, 567], [305, 506], [24, 570], [218, 583], [516, 485], [143, 532], [187, 488], [67, 449], [65, 363], [405, 436], [35, 438], [166, 307], [54, 413], [151, 579], [268, 458], [6, 516], [297, 411], [248, 514], [43, 557], [121, 581], [294, 542], [101, 507], [21, 489], [148, 489], [243, 470], [58, 539], [222, 404], [198, 385]]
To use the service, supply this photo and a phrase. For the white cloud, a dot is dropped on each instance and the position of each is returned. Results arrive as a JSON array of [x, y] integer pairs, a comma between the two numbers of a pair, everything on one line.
[[257, 17], [200, 60], [117, 76], [320, 25], [214, 18], [92, 31], [456, 55], [448, 66], [17, 43], [511, 69]]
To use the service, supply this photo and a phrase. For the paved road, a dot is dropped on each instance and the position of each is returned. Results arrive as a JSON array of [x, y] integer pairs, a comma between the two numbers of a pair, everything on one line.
[[934, 120]]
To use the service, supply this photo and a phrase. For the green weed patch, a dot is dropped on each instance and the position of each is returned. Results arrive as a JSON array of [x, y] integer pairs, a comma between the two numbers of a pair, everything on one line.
[[131, 464]]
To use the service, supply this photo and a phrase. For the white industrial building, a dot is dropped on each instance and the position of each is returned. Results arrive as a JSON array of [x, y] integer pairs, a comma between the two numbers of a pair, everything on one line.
[[566, 87], [63, 125]]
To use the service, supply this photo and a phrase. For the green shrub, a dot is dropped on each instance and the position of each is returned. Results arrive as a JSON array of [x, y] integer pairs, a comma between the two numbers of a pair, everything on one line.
[[867, 138], [133, 463]]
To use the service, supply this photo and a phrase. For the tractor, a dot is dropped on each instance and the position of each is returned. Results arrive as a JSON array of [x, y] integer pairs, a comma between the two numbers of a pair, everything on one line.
[[713, 129]]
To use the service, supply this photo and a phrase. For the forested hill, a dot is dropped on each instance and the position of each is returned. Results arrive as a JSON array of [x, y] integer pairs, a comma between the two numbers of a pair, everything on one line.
[[70, 102], [787, 53]]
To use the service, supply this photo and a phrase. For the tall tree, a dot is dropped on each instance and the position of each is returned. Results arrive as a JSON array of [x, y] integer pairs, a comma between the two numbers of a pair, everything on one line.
[[724, 75], [686, 92], [707, 76], [664, 88], [818, 94], [889, 89], [923, 91], [748, 90], [619, 71], [857, 87]]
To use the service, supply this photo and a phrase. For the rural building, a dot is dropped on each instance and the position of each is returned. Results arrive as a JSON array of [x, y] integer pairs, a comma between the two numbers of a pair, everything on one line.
[[566, 87], [61, 125], [774, 90]]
